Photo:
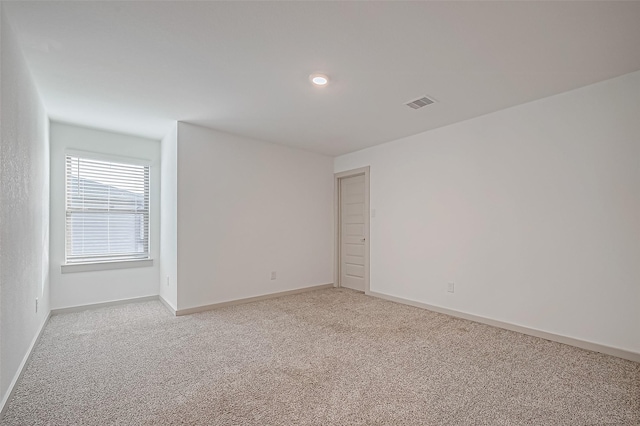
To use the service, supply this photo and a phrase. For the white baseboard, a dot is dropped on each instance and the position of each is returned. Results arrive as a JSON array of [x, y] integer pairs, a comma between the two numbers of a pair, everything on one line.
[[584, 344], [102, 305], [167, 305], [204, 308], [21, 368]]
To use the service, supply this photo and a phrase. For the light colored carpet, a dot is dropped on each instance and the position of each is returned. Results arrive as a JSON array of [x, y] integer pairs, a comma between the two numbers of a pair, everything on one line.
[[328, 357]]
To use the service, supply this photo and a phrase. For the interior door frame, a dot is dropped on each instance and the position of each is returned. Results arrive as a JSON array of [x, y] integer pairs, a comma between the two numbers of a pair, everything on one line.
[[338, 225]]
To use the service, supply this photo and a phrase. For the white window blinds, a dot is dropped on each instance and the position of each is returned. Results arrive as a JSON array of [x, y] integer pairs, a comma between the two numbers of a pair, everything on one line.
[[107, 211]]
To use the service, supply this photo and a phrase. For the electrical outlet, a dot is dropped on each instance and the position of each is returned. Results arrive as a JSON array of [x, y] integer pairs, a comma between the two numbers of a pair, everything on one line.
[[167, 280], [36, 305], [273, 275], [450, 287]]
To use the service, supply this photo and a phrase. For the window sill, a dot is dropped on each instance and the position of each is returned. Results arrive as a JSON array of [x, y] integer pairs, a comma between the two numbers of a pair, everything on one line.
[[104, 266]]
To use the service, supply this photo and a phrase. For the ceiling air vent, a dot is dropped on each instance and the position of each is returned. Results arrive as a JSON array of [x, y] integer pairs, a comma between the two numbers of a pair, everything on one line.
[[419, 103]]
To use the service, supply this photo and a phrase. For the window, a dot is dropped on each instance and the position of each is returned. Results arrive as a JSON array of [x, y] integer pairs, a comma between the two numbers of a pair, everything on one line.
[[107, 211]]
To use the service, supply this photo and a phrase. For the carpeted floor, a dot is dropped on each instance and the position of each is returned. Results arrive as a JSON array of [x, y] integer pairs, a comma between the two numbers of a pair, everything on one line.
[[328, 357]]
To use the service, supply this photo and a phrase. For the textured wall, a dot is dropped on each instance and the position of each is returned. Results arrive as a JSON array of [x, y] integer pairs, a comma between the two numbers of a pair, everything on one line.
[[247, 208], [24, 211], [169, 218], [533, 212]]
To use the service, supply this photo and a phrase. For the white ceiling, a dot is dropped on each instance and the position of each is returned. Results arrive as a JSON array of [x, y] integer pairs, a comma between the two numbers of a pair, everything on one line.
[[243, 67]]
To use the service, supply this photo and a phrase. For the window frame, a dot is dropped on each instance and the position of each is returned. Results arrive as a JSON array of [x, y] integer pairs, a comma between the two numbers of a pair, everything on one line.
[[96, 265]]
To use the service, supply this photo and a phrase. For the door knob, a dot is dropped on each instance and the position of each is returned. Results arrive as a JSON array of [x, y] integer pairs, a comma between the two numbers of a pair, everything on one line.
[[362, 239]]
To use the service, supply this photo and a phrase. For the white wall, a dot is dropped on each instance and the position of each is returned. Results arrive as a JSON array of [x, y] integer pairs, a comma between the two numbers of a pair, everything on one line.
[[84, 288], [533, 212], [169, 218], [24, 211], [246, 208]]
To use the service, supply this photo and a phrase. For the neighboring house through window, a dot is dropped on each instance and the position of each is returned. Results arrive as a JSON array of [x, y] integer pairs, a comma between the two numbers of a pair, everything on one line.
[[107, 210]]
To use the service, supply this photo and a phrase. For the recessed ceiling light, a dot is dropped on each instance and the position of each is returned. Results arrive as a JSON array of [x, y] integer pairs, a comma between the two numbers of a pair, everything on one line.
[[319, 79]]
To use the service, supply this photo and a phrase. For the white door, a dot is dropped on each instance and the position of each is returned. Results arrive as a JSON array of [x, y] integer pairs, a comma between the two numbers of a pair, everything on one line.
[[352, 232]]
